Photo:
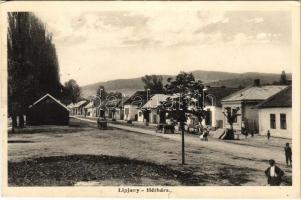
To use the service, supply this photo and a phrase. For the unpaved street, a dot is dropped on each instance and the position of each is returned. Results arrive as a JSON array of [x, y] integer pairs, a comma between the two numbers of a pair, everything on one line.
[[208, 163]]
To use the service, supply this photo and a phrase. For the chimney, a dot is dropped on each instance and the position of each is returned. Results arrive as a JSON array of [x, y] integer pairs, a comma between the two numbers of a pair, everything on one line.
[[257, 82]]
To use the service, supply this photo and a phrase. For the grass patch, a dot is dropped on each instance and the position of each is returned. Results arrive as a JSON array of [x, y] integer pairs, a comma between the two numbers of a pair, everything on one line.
[[69, 170]]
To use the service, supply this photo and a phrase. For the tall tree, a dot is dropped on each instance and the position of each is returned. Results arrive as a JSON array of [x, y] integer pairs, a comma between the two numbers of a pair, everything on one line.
[[154, 83], [71, 92], [32, 63]]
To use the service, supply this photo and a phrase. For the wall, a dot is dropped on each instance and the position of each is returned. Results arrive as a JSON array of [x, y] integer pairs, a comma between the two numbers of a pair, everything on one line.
[[132, 112], [140, 116], [250, 113], [264, 122], [216, 115]]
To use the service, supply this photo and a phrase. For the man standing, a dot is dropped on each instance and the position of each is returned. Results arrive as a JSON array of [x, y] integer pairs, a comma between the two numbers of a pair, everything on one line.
[[274, 174], [288, 154], [268, 134]]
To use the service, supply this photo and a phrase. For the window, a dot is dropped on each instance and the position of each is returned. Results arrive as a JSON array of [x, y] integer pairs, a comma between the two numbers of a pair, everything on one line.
[[140, 114], [273, 121], [283, 121]]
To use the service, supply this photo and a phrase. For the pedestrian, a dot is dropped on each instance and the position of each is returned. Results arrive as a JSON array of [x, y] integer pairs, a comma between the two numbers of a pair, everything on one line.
[[268, 134], [274, 174], [206, 135], [288, 154]]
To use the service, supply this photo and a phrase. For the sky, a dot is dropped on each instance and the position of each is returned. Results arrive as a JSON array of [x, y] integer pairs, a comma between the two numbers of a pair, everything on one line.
[[106, 45]]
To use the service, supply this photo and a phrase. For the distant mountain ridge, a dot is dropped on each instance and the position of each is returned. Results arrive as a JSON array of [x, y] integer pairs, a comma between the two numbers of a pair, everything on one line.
[[212, 78]]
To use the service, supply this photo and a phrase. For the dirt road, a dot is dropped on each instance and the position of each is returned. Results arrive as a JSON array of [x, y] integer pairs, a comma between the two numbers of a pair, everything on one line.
[[209, 163]]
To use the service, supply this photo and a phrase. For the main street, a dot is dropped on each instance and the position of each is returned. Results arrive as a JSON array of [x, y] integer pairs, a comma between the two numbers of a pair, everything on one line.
[[215, 162]]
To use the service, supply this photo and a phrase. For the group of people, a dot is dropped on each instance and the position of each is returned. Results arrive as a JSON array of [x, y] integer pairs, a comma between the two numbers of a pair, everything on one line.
[[273, 173]]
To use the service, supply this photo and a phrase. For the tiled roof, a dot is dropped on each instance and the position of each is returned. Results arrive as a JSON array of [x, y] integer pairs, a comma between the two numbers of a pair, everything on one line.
[[80, 103], [89, 105], [255, 93], [281, 99], [155, 100]]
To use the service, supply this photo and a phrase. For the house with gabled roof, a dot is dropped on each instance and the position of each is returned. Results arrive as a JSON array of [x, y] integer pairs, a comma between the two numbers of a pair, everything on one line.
[[247, 100], [88, 109], [78, 108], [275, 114], [134, 103], [47, 111], [152, 106]]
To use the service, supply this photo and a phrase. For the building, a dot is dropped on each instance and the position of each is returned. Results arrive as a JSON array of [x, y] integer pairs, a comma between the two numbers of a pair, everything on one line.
[[275, 114], [152, 106], [133, 105], [88, 109], [70, 107], [79, 107], [247, 100], [113, 109], [213, 105], [47, 111]]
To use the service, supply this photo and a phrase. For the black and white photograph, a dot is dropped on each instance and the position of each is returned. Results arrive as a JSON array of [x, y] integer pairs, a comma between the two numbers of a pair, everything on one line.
[[151, 97]]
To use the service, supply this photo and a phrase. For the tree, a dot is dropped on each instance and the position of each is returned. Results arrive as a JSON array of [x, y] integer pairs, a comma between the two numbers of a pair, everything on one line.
[[71, 92], [154, 83], [189, 91], [231, 115], [32, 63]]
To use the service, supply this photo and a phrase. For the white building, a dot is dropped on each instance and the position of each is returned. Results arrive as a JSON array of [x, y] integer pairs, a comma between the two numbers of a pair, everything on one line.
[[247, 101], [89, 109], [152, 105], [275, 115], [133, 105], [213, 106]]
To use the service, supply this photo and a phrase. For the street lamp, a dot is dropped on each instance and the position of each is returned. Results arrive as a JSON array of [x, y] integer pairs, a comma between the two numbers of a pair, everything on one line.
[[204, 89]]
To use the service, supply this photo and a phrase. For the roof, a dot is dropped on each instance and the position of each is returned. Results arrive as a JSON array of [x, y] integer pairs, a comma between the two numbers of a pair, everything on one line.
[[155, 100], [89, 105], [113, 103], [281, 99], [80, 103], [48, 95], [216, 94], [70, 106], [255, 93], [138, 96]]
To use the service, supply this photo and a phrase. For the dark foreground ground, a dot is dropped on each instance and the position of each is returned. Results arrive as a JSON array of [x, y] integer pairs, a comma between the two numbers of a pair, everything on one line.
[[83, 155]]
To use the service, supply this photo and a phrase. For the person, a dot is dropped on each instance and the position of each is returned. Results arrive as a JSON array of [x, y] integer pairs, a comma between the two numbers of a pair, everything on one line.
[[268, 134], [274, 174], [288, 154], [206, 135]]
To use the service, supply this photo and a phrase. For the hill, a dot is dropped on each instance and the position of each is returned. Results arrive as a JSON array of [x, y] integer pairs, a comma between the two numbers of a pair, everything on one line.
[[212, 78]]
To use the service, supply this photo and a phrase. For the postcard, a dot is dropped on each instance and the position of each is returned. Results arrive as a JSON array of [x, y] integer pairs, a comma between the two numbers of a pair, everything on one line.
[[150, 99]]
